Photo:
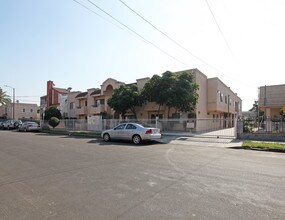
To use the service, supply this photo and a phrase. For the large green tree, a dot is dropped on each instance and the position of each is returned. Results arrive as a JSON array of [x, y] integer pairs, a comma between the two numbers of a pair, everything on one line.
[[184, 94], [174, 90], [52, 112], [125, 98], [4, 99]]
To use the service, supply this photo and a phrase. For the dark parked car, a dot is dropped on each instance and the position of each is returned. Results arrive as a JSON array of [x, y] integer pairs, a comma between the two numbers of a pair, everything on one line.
[[131, 131]]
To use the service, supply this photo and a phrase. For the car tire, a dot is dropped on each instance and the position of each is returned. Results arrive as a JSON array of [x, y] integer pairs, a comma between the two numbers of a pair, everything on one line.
[[136, 139], [106, 137], [16, 124]]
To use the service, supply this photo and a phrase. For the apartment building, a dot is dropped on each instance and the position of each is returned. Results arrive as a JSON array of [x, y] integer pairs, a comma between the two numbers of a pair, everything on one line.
[[271, 99], [216, 101], [56, 97], [22, 111], [94, 101], [218, 106], [71, 105]]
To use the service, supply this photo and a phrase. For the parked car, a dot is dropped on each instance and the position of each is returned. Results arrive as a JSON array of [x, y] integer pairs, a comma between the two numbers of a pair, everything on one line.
[[29, 126], [131, 131], [2, 124], [11, 124]]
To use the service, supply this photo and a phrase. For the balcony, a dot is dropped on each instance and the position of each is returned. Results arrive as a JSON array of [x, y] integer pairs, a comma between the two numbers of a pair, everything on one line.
[[81, 110], [94, 110]]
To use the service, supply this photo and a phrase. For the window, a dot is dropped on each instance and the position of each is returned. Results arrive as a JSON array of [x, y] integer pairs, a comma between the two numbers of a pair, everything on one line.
[[71, 105], [120, 127], [226, 100], [24, 110], [99, 102], [176, 115], [131, 126], [31, 110], [221, 97]]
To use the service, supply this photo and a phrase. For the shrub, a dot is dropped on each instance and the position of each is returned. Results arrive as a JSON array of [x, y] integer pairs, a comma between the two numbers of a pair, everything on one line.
[[54, 121], [45, 127]]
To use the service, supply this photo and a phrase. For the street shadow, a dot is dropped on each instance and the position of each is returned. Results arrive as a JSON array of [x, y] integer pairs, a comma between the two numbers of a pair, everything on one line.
[[122, 142], [99, 141], [258, 149]]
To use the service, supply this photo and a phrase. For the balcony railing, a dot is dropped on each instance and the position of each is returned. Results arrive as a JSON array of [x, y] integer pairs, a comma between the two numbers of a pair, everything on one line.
[[81, 110], [97, 109]]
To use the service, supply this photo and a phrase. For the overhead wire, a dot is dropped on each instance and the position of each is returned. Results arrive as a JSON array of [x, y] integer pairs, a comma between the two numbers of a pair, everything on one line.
[[219, 28], [167, 36], [94, 12], [131, 30], [179, 44]]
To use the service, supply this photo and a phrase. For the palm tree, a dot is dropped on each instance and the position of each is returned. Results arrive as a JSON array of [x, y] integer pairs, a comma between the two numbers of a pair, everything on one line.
[[4, 99]]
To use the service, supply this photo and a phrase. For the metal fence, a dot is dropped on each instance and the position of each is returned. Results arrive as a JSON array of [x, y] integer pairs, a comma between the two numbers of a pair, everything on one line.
[[264, 125], [221, 127]]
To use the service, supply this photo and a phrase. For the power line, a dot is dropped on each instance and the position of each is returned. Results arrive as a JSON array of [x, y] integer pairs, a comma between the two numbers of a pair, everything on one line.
[[131, 30], [180, 45], [94, 12], [27, 96], [170, 38], [219, 28]]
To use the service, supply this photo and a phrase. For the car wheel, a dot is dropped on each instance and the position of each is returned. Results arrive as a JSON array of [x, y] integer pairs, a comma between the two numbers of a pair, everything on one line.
[[136, 139], [106, 137]]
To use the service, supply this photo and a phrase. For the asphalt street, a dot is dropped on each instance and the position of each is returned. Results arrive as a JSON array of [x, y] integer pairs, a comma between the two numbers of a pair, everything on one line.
[[60, 177]]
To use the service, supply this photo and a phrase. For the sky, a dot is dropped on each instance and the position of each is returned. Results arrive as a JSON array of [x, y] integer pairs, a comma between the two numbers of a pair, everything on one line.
[[75, 44]]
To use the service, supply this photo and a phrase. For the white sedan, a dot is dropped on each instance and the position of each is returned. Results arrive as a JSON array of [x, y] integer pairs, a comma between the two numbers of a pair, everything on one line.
[[29, 126], [131, 131]]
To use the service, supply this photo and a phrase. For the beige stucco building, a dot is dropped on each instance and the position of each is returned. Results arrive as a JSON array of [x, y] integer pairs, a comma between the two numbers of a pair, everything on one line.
[[22, 111], [216, 101], [94, 101], [271, 99]]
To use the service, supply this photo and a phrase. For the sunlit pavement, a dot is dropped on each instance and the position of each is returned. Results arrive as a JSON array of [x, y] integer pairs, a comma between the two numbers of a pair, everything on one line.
[[46, 176]]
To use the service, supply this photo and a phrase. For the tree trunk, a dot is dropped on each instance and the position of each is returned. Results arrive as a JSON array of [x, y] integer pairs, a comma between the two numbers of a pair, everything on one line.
[[168, 112], [133, 110], [158, 110]]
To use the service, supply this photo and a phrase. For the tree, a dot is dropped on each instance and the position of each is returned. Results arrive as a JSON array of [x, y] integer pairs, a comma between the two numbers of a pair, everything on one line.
[[53, 121], [175, 90], [282, 113], [152, 91], [255, 108], [127, 97], [4, 99], [52, 112], [185, 96]]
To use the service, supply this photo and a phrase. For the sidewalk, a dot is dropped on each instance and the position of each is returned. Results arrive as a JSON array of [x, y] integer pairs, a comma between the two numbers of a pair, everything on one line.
[[210, 139]]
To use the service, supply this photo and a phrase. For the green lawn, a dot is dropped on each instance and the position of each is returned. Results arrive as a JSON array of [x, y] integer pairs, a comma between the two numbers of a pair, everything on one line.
[[264, 145]]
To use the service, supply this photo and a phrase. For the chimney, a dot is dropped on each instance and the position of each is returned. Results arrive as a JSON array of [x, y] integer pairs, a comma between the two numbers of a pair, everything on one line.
[[49, 92]]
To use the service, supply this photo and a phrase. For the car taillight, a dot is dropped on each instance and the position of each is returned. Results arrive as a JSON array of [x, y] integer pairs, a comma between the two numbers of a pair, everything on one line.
[[149, 131]]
